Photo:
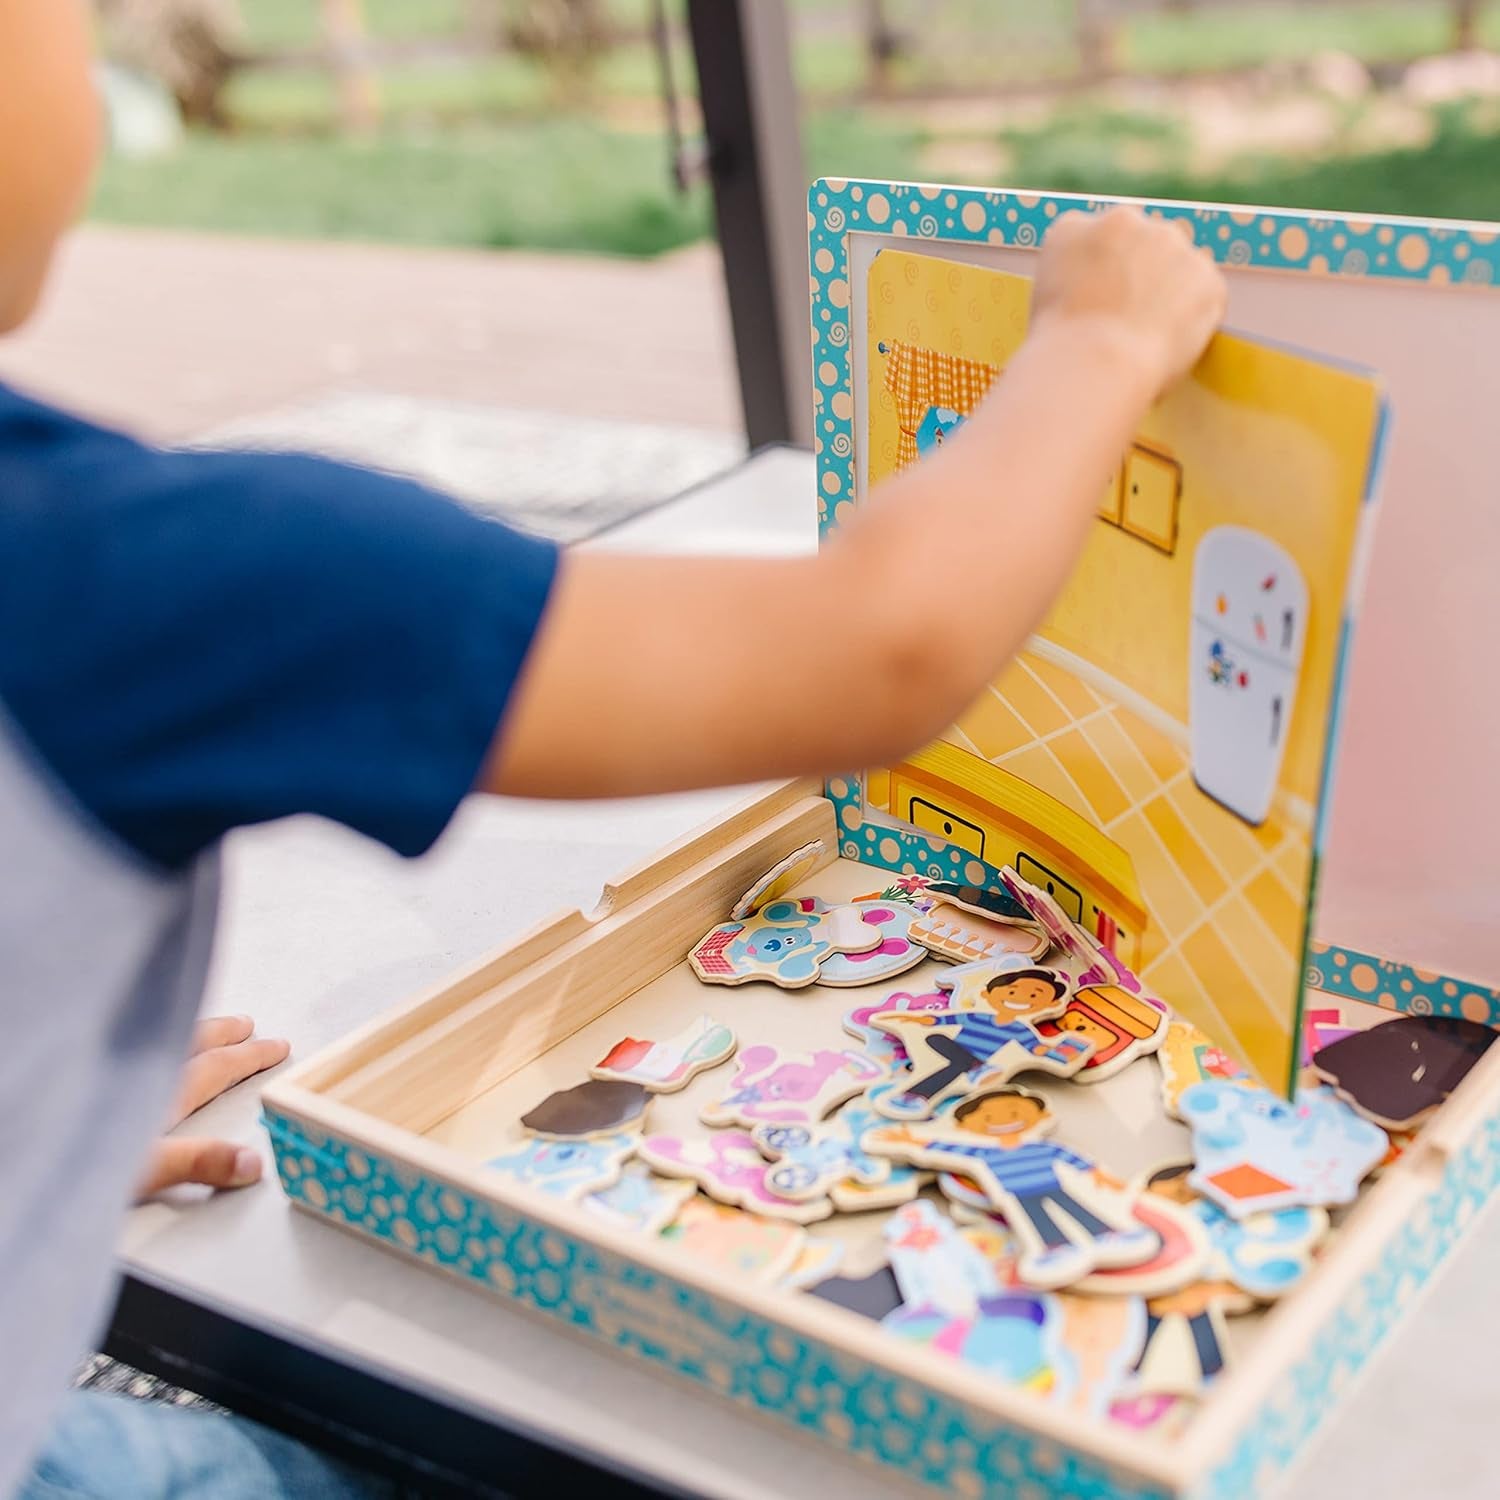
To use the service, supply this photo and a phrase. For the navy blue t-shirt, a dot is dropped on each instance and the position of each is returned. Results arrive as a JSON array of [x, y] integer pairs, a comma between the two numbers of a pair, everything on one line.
[[194, 641]]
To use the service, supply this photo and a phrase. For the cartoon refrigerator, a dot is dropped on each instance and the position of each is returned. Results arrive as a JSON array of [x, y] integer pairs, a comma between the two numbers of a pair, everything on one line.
[[1248, 628]]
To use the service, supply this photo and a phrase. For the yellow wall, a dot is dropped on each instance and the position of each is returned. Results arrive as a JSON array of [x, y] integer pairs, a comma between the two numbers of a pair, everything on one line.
[[1266, 439]]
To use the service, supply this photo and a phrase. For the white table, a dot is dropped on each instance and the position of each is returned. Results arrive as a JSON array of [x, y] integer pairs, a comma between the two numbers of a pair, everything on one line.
[[284, 1316]]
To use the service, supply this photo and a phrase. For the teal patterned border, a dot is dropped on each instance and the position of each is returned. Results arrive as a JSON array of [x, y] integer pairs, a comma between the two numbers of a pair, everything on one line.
[[1353, 1330], [1279, 239], [1352, 975], [860, 1408], [857, 1407]]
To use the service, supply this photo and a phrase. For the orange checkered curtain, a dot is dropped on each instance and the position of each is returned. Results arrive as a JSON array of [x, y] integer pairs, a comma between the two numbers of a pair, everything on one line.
[[920, 378]]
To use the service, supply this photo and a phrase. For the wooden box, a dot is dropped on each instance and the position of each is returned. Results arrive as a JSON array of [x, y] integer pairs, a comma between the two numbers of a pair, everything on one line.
[[386, 1132]]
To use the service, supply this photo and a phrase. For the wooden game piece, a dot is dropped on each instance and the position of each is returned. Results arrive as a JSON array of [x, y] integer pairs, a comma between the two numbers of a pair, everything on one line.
[[895, 953], [790, 1087], [1105, 1338], [1121, 1025], [1013, 1336], [784, 943], [666, 1066], [1396, 1073], [966, 1198], [1050, 1196], [808, 1161], [874, 1296], [597, 1107], [566, 1168], [963, 935], [881, 1046], [952, 1052], [1101, 1338], [1188, 1056], [739, 1244], [819, 1260], [639, 1202], [1264, 1255], [936, 1267], [1184, 1256], [780, 880], [903, 1184], [1162, 1416], [729, 1167], [1256, 1151], [1186, 1340]]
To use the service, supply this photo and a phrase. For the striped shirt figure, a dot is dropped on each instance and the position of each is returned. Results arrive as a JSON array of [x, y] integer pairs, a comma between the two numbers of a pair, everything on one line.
[[995, 1138], [958, 1045]]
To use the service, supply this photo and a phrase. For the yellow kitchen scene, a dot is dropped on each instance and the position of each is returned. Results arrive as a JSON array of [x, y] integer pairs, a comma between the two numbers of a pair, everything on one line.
[[1155, 758]]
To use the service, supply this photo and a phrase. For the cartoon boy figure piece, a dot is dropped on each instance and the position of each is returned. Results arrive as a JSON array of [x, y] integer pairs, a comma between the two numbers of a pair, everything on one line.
[[1049, 1195], [952, 1051]]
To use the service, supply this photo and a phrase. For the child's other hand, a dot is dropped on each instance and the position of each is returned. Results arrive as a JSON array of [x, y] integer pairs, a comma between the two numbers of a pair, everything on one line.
[[1137, 278], [225, 1052]]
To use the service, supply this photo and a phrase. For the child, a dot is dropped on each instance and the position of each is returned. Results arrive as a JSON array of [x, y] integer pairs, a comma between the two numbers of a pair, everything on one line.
[[191, 642]]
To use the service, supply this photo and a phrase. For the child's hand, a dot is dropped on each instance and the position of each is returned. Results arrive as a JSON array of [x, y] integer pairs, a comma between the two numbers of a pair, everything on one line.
[[1140, 277], [225, 1052]]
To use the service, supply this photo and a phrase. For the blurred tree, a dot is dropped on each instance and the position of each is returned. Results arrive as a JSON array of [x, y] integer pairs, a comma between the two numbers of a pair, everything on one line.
[[566, 36], [883, 45], [1466, 25], [1098, 31], [192, 46], [349, 57]]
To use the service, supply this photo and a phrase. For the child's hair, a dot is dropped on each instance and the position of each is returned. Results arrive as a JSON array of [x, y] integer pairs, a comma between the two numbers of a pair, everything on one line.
[[977, 1101], [1059, 989], [1169, 1174]]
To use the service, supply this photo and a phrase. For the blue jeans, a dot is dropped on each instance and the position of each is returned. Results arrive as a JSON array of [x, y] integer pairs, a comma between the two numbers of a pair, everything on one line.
[[114, 1448]]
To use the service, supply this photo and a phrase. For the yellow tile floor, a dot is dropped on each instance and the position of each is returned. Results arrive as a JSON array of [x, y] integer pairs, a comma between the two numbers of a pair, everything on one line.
[[1225, 900]]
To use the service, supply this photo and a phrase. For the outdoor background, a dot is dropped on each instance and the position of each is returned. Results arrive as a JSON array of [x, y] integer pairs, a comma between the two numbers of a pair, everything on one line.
[[452, 236], [540, 124]]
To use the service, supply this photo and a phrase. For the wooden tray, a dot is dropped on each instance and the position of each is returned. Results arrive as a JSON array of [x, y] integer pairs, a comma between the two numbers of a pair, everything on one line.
[[386, 1132]]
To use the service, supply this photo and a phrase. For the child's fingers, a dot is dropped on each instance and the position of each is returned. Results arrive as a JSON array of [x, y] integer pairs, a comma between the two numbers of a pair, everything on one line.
[[178, 1159], [210, 1073], [221, 1031]]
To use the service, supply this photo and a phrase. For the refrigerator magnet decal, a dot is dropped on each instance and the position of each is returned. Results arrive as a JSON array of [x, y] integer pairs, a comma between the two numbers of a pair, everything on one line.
[[1248, 628]]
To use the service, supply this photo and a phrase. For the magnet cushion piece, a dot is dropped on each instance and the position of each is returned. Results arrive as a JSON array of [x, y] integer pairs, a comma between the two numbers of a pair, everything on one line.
[[791, 1087], [1049, 1196], [807, 1161], [728, 1167], [873, 1296], [895, 953], [593, 1108], [639, 1202], [1121, 1025], [964, 936], [779, 880], [1398, 1072], [784, 943], [566, 1169], [664, 1067], [740, 1244], [1256, 1151], [1188, 1056]]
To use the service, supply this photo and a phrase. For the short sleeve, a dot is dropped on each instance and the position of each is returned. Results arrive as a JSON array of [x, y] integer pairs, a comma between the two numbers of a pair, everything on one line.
[[193, 642]]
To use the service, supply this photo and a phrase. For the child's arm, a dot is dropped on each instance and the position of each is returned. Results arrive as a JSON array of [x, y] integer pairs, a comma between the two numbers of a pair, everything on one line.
[[656, 673]]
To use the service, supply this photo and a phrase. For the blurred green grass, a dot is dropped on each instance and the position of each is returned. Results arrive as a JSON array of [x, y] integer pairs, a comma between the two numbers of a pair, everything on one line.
[[477, 152]]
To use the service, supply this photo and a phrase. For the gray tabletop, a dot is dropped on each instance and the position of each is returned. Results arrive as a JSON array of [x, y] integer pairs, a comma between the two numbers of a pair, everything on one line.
[[323, 930]]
